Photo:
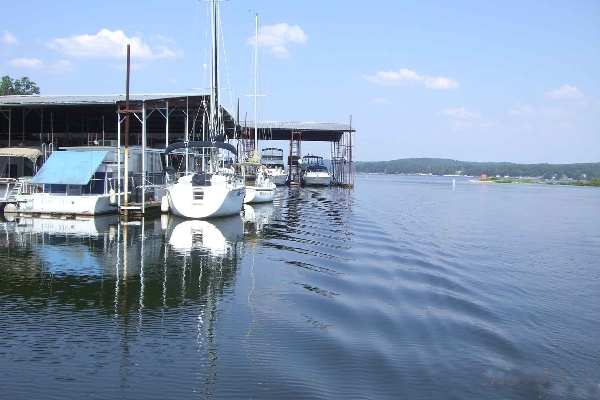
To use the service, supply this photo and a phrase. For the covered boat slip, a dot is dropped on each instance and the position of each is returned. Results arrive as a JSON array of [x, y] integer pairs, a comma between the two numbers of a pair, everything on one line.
[[157, 121]]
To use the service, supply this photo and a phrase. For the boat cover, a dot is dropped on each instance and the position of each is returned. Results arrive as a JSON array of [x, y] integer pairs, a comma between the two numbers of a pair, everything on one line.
[[181, 145], [69, 167], [32, 154]]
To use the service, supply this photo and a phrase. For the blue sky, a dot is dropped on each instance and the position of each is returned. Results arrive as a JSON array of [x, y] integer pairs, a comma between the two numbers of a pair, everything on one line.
[[469, 80]]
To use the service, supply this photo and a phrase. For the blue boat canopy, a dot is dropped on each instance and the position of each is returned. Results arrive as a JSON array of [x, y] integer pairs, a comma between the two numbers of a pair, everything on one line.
[[69, 167]]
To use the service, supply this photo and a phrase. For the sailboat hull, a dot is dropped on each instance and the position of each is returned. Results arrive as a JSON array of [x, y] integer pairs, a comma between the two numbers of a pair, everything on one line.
[[203, 202], [259, 194]]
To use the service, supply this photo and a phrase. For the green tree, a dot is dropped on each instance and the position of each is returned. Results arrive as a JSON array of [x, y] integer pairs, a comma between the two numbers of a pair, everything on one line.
[[18, 86]]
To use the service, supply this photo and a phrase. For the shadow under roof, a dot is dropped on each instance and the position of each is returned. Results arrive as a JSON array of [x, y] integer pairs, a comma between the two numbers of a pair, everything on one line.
[[72, 107]]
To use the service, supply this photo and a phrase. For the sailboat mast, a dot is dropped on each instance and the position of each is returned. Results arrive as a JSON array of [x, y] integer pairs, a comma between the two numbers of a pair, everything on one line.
[[213, 70], [256, 82]]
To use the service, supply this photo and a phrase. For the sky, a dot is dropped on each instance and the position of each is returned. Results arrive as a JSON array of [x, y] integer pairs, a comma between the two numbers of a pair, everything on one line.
[[513, 81]]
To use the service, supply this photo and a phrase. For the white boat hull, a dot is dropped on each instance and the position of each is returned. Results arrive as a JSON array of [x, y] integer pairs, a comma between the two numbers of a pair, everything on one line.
[[316, 179], [259, 186], [259, 194], [278, 176], [45, 203], [202, 202]]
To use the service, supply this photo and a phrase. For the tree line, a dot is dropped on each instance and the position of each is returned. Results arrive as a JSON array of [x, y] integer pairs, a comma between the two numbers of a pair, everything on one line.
[[10, 86], [441, 166]]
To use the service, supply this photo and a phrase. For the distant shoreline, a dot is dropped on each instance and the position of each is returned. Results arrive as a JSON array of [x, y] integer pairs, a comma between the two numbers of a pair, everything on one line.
[[447, 167], [591, 182]]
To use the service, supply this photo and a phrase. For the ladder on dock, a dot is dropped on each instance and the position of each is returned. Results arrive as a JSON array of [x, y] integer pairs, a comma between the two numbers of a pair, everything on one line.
[[14, 192], [295, 156]]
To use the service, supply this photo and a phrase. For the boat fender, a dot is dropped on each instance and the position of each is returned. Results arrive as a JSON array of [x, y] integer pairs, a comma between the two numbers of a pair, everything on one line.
[[10, 208], [164, 222], [112, 196], [164, 204]]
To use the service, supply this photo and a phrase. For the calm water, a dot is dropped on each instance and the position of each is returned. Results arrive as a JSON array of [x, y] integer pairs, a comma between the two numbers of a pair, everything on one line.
[[401, 288]]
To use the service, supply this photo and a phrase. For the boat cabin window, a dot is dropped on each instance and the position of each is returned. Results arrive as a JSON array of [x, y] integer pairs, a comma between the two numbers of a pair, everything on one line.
[[74, 190]]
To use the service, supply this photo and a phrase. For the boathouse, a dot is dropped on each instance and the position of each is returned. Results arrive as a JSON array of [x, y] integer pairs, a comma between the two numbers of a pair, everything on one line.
[[50, 122]]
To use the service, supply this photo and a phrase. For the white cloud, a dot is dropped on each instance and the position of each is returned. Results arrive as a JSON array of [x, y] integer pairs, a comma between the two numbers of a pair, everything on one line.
[[172, 80], [526, 111], [384, 102], [277, 37], [109, 44], [465, 120], [27, 63], [9, 38], [565, 92], [405, 76], [457, 113], [36, 63]]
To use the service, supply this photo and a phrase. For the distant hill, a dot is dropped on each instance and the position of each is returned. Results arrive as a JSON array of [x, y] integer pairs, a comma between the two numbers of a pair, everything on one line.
[[442, 166]]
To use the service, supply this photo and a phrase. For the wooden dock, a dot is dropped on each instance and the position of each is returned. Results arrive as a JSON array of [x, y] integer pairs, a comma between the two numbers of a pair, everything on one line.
[[138, 210]]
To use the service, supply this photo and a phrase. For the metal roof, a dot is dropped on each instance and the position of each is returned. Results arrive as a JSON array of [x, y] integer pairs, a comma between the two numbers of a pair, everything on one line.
[[309, 131], [69, 108], [301, 126], [26, 100]]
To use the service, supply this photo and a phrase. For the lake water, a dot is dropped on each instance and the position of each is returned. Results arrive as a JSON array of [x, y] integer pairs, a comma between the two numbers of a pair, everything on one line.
[[404, 287]]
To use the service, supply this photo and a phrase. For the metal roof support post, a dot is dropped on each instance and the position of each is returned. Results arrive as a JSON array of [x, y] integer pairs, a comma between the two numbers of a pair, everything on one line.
[[41, 123], [351, 166], [187, 120], [127, 111], [142, 267], [144, 166], [119, 160], [9, 121], [334, 151], [25, 112], [167, 128]]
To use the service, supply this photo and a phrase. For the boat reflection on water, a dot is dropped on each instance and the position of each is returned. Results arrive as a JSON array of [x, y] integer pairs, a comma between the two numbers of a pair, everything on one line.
[[256, 217], [137, 277], [65, 247], [216, 236], [84, 226]]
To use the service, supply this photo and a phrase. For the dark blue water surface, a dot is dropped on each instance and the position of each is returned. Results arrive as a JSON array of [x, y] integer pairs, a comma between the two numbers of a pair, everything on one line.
[[404, 287]]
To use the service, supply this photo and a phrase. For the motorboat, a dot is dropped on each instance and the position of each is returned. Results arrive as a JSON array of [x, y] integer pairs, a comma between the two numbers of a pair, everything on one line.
[[272, 159], [81, 181], [314, 172]]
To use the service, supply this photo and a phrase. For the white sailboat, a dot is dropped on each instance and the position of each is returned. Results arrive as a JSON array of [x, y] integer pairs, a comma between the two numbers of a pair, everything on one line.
[[215, 192], [259, 186]]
